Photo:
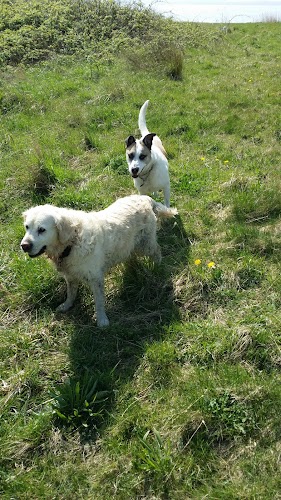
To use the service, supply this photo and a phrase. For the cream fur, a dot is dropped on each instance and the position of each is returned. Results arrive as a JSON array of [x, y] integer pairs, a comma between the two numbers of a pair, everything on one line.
[[85, 245]]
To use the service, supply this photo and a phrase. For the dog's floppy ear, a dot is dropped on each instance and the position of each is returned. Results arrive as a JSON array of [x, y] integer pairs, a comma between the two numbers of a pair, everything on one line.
[[147, 140], [66, 228], [129, 141]]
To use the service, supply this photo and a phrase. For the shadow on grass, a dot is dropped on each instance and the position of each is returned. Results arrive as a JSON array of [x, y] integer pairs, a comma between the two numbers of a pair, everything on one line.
[[138, 311]]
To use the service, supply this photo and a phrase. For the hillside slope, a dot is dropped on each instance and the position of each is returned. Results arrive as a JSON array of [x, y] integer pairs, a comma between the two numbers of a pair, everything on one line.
[[180, 396]]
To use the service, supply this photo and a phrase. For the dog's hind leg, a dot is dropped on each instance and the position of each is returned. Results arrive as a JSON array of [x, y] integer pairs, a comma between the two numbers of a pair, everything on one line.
[[97, 287], [72, 287], [150, 247], [166, 191], [156, 252]]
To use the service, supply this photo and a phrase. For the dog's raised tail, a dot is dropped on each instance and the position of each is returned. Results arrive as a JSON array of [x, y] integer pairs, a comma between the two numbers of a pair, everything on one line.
[[161, 211], [142, 121]]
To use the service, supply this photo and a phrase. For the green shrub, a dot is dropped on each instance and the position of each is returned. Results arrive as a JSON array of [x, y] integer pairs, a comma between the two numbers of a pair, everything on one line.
[[35, 30]]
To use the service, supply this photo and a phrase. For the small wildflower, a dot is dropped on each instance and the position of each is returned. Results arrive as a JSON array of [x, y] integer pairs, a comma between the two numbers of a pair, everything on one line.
[[226, 161], [197, 262], [211, 265], [202, 158]]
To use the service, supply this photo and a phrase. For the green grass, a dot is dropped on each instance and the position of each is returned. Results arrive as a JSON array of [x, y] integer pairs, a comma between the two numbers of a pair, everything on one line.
[[180, 397]]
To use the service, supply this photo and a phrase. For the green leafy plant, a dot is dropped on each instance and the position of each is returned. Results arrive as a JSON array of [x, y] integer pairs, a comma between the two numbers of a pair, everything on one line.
[[79, 402], [228, 416], [153, 455], [118, 164]]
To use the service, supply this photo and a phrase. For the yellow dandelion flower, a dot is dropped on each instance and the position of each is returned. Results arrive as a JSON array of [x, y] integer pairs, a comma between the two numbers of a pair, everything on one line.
[[203, 158], [197, 262], [211, 265], [226, 161]]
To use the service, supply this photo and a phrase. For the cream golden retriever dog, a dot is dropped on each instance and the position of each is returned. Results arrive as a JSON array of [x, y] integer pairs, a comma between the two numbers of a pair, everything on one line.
[[85, 245]]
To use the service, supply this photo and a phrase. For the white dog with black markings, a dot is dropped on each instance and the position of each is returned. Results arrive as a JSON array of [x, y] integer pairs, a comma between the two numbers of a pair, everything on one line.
[[85, 245], [147, 161]]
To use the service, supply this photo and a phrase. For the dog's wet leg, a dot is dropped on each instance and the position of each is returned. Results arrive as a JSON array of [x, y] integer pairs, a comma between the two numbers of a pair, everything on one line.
[[97, 287], [72, 287], [167, 196], [151, 249], [156, 254]]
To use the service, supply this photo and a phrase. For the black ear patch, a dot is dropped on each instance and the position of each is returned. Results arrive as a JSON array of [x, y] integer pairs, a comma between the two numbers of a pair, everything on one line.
[[129, 141], [147, 140]]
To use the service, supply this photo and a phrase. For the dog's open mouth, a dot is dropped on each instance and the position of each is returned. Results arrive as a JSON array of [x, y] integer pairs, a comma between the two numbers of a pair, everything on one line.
[[39, 253]]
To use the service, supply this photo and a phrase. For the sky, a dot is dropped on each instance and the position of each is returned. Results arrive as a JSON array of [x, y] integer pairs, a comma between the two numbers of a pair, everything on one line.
[[220, 11]]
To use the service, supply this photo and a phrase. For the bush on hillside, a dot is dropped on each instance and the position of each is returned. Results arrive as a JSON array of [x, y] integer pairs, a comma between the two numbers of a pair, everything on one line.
[[34, 30]]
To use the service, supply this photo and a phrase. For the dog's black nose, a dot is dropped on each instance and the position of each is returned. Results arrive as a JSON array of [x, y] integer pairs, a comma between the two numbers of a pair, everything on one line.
[[135, 171], [26, 247]]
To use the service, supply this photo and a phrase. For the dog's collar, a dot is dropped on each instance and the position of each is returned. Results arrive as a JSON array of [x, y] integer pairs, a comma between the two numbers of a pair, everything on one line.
[[65, 253], [145, 176]]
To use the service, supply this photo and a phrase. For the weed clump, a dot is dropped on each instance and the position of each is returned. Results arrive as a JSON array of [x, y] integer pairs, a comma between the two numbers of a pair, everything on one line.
[[79, 403], [42, 181], [154, 459], [258, 203], [228, 416]]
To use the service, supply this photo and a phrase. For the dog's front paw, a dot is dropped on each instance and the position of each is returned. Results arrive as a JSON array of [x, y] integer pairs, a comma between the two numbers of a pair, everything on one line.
[[62, 308], [103, 321]]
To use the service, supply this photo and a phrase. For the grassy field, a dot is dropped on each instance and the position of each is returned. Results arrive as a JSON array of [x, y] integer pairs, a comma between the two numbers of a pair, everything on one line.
[[180, 397]]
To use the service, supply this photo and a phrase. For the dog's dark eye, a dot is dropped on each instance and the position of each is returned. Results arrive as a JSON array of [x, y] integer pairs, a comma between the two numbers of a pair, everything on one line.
[[142, 157], [26, 227], [41, 230], [131, 156]]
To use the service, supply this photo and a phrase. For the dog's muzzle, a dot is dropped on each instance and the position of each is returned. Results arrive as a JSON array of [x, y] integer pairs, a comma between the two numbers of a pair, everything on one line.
[[135, 172], [27, 248]]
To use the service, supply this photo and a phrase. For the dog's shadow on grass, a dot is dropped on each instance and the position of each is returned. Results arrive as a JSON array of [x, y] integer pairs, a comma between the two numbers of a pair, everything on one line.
[[140, 305]]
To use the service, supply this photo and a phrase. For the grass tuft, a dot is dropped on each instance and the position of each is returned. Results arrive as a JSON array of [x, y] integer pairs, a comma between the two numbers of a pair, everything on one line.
[[42, 181]]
